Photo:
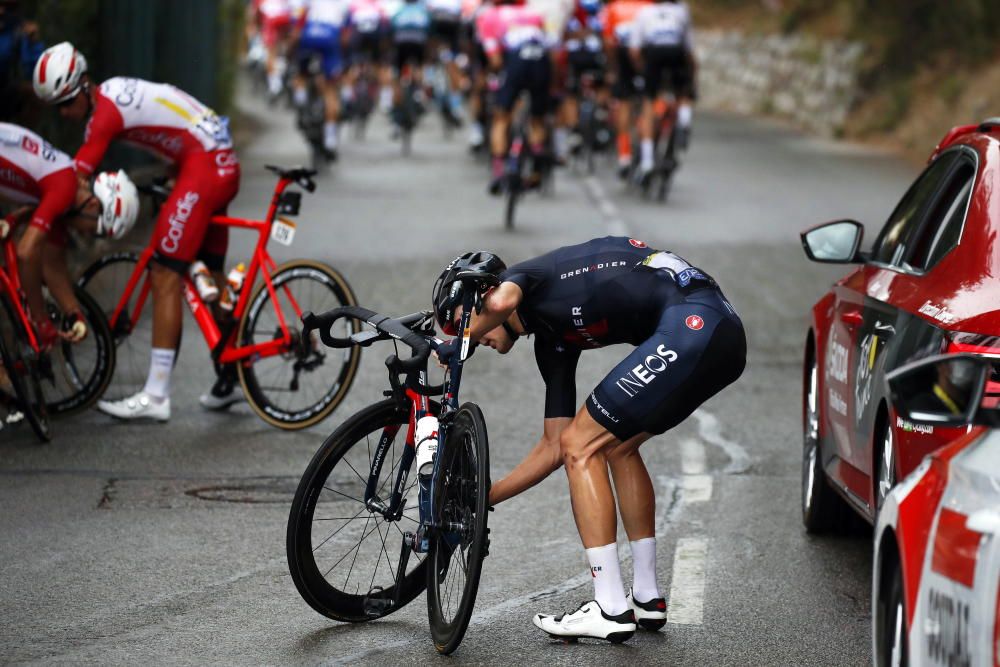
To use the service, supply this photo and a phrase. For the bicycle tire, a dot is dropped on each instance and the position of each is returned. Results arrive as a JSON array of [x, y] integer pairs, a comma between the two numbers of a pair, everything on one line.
[[89, 385], [312, 584], [105, 281], [263, 399], [22, 371], [466, 452]]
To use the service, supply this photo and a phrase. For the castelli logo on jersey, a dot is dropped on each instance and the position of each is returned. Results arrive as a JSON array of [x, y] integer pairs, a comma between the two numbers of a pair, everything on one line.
[[637, 243], [694, 322], [171, 242], [646, 372]]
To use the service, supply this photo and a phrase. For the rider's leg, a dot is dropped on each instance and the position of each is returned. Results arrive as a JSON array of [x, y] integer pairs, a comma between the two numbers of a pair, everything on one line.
[[564, 123], [498, 141], [637, 505], [584, 446], [329, 88], [166, 287], [646, 162], [29, 260], [56, 275], [476, 108]]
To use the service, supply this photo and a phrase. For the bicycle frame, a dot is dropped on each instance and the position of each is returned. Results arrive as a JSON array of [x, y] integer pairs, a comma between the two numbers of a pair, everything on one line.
[[10, 284], [222, 345]]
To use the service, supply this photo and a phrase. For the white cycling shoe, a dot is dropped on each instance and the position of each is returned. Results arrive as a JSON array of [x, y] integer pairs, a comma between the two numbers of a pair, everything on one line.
[[588, 622], [139, 406], [223, 394], [650, 615]]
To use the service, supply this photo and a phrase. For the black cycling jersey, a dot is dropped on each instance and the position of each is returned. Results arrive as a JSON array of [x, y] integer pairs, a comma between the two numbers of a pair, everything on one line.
[[618, 290], [601, 292]]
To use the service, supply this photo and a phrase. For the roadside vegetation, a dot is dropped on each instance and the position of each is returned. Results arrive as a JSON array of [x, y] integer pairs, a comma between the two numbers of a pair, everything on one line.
[[928, 65]]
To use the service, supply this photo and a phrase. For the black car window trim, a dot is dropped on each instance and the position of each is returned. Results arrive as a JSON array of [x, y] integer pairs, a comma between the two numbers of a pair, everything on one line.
[[942, 186], [933, 261]]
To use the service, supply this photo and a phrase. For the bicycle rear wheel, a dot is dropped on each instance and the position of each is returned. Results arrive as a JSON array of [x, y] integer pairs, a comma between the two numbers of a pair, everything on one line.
[[461, 497], [21, 367], [105, 280], [343, 557], [303, 384], [78, 373]]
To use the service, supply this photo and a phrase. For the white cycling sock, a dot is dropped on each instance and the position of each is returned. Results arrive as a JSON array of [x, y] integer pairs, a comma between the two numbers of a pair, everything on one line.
[[646, 154], [330, 135], [608, 588], [561, 139], [300, 96], [274, 84], [684, 115], [644, 586], [161, 365]]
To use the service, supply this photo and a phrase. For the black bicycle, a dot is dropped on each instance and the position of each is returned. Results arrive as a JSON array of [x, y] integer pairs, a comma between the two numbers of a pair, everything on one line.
[[365, 537]]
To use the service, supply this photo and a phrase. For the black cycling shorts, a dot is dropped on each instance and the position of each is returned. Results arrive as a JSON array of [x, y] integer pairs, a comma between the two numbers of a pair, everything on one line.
[[625, 87], [447, 33], [366, 47], [413, 54], [667, 67], [531, 74], [584, 62], [699, 347]]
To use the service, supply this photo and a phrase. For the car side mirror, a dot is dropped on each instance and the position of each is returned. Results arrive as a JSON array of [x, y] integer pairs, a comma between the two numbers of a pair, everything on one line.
[[836, 242], [944, 390]]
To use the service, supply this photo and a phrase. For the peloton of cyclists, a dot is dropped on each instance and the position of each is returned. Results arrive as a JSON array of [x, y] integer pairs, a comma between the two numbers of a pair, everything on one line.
[[179, 129]]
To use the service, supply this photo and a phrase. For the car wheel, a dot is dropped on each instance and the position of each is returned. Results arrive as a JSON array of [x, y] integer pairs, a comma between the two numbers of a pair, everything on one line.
[[821, 506], [891, 632], [886, 479]]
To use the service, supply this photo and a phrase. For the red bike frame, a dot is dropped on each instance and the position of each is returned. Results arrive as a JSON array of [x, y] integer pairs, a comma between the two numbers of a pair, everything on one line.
[[10, 283], [228, 352]]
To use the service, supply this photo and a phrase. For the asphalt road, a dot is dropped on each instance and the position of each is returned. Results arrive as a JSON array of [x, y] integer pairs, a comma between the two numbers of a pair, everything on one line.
[[116, 548]]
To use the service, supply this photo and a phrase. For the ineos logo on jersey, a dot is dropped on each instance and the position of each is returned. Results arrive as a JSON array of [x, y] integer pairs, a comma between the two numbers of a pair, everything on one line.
[[592, 267], [179, 218], [647, 371]]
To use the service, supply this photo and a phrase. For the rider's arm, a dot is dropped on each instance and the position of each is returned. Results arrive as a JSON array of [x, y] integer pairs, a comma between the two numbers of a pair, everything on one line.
[[104, 125], [498, 304], [557, 365]]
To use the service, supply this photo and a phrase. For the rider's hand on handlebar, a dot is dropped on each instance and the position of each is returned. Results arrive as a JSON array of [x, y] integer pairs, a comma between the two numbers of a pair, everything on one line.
[[447, 350]]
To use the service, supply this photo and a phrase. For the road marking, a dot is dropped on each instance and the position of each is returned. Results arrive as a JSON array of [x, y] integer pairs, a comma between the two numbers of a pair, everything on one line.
[[612, 218], [687, 584], [710, 430], [696, 488], [692, 456]]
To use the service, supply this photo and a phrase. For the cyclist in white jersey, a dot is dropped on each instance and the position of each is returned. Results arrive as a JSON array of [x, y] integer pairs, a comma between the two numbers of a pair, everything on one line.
[[662, 43], [188, 135]]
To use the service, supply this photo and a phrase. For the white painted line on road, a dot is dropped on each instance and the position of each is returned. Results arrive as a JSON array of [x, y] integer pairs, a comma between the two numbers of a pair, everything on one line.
[[612, 219], [687, 585], [692, 456], [696, 488], [710, 430]]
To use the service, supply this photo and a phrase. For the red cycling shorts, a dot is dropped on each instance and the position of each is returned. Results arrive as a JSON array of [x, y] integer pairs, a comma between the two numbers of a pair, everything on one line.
[[206, 183]]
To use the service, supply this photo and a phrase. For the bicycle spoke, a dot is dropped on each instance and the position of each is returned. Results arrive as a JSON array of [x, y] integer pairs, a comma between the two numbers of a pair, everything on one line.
[[355, 559], [344, 494], [337, 531]]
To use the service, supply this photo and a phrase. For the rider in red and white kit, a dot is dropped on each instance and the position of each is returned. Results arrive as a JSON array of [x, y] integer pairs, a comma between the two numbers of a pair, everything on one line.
[[176, 127], [40, 179]]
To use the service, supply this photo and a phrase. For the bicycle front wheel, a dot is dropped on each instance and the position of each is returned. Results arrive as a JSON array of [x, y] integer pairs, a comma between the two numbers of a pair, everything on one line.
[[344, 558], [461, 497], [21, 368], [78, 373], [303, 384]]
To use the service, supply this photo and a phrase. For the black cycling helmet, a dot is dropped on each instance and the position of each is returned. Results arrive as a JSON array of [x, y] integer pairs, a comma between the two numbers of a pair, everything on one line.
[[447, 293]]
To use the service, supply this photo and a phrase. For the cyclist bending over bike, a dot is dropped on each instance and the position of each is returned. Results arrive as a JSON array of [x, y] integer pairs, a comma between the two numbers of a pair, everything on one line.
[[514, 40], [176, 127], [662, 48], [689, 344], [41, 179], [321, 33]]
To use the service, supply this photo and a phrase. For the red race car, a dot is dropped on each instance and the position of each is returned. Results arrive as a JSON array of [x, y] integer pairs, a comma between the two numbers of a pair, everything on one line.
[[929, 284], [936, 579]]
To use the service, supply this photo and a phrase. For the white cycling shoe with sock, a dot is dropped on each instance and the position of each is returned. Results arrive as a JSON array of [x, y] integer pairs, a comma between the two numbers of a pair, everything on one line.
[[139, 406], [650, 615], [588, 622], [220, 399]]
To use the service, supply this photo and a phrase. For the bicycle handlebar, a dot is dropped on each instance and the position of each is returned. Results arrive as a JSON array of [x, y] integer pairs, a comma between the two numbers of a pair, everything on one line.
[[393, 328]]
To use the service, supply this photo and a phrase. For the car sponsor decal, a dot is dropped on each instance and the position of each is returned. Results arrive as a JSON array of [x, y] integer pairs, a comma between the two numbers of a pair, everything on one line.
[[955, 548], [939, 313], [916, 514], [947, 627], [694, 322], [910, 427], [864, 378]]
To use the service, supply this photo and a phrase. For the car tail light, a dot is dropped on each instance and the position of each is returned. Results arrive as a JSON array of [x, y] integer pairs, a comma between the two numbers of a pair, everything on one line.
[[983, 345]]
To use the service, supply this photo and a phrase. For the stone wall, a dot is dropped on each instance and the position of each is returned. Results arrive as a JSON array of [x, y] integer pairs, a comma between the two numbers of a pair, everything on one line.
[[809, 81]]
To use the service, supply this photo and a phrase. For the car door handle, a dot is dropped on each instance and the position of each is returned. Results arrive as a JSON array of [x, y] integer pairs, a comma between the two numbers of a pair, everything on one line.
[[852, 318], [984, 521]]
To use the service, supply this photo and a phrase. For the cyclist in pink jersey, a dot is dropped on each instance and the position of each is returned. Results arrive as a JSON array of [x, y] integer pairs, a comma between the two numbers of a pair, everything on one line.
[[514, 40], [41, 181], [176, 127], [273, 19]]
